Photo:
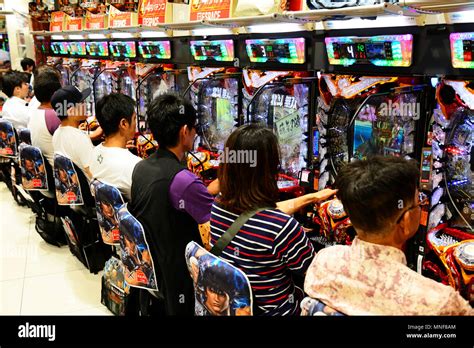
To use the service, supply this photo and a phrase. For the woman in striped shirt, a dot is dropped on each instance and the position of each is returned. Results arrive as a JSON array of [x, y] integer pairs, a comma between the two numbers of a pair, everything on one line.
[[271, 247]]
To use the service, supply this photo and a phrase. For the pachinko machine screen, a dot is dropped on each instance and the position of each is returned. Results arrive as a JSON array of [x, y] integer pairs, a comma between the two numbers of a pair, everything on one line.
[[287, 51], [97, 49], [217, 50], [462, 50], [386, 50], [154, 49], [77, 49], [123, 49], [59, 48]]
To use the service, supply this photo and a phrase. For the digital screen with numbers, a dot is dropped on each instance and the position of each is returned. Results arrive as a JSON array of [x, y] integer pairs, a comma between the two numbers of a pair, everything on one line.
[[59, 48], [123, 49], [462, 50], [154, 49], [287, 51], [388, 50], [97, 49], [218, 50], [77, 48]]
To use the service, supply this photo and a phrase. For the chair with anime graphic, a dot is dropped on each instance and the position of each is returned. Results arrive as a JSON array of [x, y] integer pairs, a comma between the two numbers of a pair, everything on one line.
[[220, 289], [137, 260], [37, 179], [80, 224], [24, 136], [313, 307]]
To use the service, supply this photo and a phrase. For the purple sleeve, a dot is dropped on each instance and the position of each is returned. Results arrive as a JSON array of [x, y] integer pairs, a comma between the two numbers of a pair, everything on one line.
[[189, 194], [52, 121]]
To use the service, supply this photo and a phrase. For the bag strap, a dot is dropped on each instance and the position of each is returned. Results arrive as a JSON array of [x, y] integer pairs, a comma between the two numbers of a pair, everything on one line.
[[231, 232]]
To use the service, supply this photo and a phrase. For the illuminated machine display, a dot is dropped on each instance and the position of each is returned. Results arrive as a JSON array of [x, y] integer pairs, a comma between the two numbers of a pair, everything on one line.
[[277, 93], [214, 91], [450, 239], [59, 50], [373, 112]]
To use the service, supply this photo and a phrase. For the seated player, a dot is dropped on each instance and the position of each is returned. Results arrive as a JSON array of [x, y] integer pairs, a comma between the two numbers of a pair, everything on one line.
[[371, 276], [43, 120], [15, 86], [111, 161], [68, 140]]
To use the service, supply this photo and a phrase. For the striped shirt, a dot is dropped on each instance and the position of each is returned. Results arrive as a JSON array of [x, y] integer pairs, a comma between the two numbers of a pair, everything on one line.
[[268, 248]]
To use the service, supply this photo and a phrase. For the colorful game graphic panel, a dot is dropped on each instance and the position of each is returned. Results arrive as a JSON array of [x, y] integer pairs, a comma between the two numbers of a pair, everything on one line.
[[135, 253], [68, 190], [8, 145], [220, 289], [33, 171]]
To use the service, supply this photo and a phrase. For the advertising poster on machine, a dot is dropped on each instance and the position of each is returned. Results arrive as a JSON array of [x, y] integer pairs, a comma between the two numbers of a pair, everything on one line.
[[136, 257]]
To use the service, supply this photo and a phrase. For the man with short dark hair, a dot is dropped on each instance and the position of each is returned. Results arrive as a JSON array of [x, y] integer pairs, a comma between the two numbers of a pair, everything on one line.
[[111, 161], [28, 65], [68, 140], [172, 204], [371, 277], [15, 86], [43, 120]]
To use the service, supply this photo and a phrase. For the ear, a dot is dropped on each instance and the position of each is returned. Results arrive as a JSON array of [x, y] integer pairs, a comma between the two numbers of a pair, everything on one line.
[[124, 123], [403, 230]]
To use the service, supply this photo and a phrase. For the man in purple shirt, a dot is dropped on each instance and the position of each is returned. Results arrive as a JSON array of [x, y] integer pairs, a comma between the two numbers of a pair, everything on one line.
[[172, 204]]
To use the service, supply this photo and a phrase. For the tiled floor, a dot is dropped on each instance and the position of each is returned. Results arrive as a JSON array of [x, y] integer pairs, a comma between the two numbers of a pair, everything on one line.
[[37, 278]]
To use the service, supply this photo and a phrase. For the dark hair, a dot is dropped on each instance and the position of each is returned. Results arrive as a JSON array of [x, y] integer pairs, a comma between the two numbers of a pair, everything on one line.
[[47, 81], [26, 62], [111, 109], [372, 190], [242, 186], [167, 114], [13, 79], [217, 277]]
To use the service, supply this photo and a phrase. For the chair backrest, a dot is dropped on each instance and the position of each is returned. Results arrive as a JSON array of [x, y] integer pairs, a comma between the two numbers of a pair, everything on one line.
[[34, 176], [24, 136], [220, 289], [313, 307], [66, 178], [8, 141], [136, 256], [108, 201]]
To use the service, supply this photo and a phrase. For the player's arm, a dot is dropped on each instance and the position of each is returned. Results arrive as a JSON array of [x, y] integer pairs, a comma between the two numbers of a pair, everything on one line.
[[291, 206], [205, 232]]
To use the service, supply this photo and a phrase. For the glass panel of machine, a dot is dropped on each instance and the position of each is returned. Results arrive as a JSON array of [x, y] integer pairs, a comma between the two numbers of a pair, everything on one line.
[[287, 51], [388, 50], [97, 49], [125, 49], [77, 48], [59, 48], [154, 49], [462, 50], [218, 50]]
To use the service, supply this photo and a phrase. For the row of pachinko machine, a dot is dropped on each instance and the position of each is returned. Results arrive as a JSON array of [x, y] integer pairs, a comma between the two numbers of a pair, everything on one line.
[[331, 97]]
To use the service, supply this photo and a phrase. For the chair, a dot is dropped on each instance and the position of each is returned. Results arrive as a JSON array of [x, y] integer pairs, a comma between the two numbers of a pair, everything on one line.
[[81, 224], [137, 260], [24, 136], [212, 274], [313, 307]]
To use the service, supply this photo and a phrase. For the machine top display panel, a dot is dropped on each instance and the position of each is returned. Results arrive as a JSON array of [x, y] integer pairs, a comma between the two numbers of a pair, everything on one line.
[[97, 48], [123, 49], [286, 51], [77, 48], [154, 49], [385, 50], [462, 50], [216, 50], [59, 48]]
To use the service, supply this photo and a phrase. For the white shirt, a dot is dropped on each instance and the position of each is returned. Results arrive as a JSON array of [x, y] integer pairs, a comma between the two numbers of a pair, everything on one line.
[[75, 144], [40, 135], [16, 111], [33, 104], [114, 166]]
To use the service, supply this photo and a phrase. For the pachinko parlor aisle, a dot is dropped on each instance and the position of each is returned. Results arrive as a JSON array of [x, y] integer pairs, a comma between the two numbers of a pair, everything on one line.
[[238, 158]]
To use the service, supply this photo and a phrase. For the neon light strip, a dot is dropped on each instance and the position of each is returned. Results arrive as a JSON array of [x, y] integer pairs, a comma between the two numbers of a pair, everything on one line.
[[165, 49], [457, 50], [226, 46], [131, 49], [103, 49], [296, 46], [402, 47]]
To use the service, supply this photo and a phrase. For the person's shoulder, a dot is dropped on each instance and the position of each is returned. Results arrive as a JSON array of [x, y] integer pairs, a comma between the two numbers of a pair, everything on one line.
[[276, 216]]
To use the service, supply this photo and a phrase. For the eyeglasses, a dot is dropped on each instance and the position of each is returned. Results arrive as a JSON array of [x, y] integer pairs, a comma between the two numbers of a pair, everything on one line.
[[423, 200]]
